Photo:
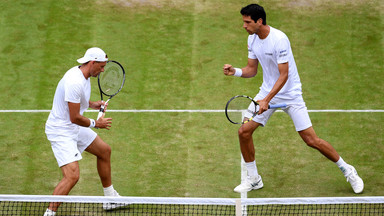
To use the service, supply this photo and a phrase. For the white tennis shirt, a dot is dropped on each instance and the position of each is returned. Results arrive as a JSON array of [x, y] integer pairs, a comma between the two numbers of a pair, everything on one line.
[[74, 88], [271, 51]]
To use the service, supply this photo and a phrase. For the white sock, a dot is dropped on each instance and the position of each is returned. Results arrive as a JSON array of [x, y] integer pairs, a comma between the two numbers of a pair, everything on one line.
[[251, 168], [343, 166], [109, 191], [49, 212]]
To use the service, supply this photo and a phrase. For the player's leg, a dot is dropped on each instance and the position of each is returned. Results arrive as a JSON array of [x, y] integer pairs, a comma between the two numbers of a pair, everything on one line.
[[309, 136], [246, 131], [312, 140], [299, 115], [303, 125], [89, 141], [253, 180], [68, 163], [246, 141], [71, 174], [102, 151]]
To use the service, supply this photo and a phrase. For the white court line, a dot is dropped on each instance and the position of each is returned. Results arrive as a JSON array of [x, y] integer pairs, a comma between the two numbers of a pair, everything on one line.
[[190, 111]]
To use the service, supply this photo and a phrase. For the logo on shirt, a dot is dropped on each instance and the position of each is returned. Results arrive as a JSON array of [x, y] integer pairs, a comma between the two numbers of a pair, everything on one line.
[[270, 54], [283, 53]]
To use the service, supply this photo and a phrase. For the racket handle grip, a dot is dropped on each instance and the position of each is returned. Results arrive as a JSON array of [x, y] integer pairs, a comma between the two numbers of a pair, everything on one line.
[[274, 106], [100, 112]]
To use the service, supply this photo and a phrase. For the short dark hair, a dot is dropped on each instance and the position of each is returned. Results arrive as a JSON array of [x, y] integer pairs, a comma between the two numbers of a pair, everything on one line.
[[255, 11]]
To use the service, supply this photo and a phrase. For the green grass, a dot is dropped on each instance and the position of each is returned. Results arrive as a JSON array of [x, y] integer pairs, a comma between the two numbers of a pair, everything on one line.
[[197, 155], [173, 52]]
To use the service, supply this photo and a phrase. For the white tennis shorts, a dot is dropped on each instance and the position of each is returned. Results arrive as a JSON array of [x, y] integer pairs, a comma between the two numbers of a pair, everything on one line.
[[296, 109], [68, 149]]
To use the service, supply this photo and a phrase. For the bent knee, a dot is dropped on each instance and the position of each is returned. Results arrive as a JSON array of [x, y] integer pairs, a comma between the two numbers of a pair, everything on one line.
[[107, 149], [72, 178], [242, 132], [105, 152], [313, 142]]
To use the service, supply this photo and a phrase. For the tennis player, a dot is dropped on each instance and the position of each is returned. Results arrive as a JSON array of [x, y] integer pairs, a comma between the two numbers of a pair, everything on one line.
[[70, 132], [281, 84]]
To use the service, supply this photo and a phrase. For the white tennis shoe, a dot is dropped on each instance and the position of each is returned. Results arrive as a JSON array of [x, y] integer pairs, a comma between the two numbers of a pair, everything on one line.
[[250, 183], [111, 206], [355, 180], [49, 212]]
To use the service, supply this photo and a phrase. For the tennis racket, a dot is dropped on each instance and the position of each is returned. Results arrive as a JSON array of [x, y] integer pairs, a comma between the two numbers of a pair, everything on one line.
[[240, 105], [111, 81]]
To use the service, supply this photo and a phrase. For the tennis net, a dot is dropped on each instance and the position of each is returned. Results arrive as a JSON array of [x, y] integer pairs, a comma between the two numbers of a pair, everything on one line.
[[94, 205]]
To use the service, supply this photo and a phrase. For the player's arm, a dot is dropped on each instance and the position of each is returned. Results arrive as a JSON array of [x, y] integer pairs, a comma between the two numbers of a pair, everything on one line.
[[283, 70], [77, 118], [247, 72]]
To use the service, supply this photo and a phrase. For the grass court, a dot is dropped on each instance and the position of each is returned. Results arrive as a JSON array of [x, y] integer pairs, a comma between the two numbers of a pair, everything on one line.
[[173, 52]]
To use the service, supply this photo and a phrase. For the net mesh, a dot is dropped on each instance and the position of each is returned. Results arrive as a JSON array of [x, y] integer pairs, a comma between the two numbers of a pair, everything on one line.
[[318, 209], [33, 208], [76, 205]]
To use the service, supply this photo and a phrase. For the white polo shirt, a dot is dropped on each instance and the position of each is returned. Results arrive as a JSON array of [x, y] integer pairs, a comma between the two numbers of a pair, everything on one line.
[[73, 87], [271, 51]]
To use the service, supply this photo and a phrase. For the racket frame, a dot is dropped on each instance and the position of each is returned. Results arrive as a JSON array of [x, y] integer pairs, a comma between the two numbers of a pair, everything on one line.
[[102, 107], [271, 106]]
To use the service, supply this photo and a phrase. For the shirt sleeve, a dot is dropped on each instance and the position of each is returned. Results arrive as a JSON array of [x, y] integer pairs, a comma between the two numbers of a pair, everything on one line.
[[251, 54], [282, 50], [73, 92]]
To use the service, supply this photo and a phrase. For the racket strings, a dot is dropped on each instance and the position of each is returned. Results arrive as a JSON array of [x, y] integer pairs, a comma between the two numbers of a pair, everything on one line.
[[112, 79], [239, 107]]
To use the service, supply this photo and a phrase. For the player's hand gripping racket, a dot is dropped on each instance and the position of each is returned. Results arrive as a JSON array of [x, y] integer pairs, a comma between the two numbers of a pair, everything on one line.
[[111, 81], [242, 104]]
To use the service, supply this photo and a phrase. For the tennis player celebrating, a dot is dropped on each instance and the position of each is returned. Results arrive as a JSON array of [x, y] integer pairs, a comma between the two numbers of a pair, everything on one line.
[[70, 132], [281, 84]]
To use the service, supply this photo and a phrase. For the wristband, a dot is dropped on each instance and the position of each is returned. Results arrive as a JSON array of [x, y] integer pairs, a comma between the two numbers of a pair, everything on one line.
[[238, 73], [92, 123]]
